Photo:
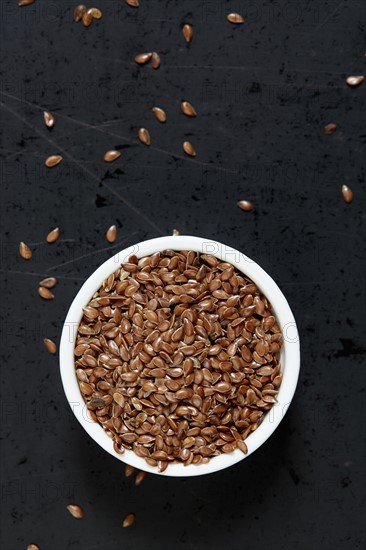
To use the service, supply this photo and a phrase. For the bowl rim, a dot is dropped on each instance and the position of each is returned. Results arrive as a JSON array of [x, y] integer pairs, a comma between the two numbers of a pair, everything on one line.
[[290, 353]]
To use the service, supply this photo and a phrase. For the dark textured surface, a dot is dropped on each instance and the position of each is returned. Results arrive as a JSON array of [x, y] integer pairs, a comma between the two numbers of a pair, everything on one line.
[[263, 92]]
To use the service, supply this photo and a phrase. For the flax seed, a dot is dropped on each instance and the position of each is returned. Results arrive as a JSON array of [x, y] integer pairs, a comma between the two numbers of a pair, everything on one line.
[[144, 136], [49, 119], [143, 58], [111, 156], [187, 31], [111, 234], [53, 160], [24, 251], [189, 149], [347, 194], [75, 511], [235, 18], [159, 113], [188, 109], [245, 205], [53, 235], [354, 81]]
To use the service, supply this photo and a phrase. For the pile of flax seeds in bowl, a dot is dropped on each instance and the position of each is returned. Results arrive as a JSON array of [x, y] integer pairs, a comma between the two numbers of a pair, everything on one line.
[[177, 357]]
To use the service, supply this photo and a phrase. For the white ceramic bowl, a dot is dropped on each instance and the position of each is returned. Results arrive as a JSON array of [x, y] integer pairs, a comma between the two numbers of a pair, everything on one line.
[[290, 354]]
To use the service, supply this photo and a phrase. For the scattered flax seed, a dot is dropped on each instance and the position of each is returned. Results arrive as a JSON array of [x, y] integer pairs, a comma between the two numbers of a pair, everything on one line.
[[160, 114], [187, 31], [75, 511], [143, 58], [129, 520], [87, 19], [25, 251], [347, 194], [247, 206], [144, 136], [355, 81], [189, 149], [235, 18], [176, 233], [132, 3], [111, 234], [95, 13], [25, 2], [53, 160], [330, 128], [32, 547], [155, 60], [110, 156], [53, 235], [79, 12], [188, 109], [50, 345], [129, 470], [45, 293], [140, 477], [49, 282], [49, 119]]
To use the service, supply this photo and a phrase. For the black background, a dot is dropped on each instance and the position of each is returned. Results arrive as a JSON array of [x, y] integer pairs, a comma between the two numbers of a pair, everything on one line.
[[263, 92]]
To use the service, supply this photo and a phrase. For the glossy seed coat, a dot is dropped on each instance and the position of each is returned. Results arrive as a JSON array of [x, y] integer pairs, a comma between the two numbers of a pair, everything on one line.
[[247, 206], [53, 160], [235, 18], [49, 119], [25, 251], [159, 113], [187, 31], [188, 109], [144, 136], [354, 81], [75, 511], [129, 520], [111, 234], [143, 58], [189, 149], [347, 194], [50, 345], [110, 156], [53, 235]]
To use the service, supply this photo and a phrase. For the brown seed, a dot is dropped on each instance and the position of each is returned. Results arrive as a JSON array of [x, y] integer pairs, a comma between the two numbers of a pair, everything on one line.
[[95, 13], [143, 58], [25, 2], [159, 113], [144, 136], [235, 18], [32, 547], [354, 81], [112, 155], [50, 345], [75, 511], [188, 109], [53, 235], [79, 12], [132, 3], [25, 251], [49, 119], [49, 282], [330, 128], [189, 149], [87, 18], [155, 60], [245, 205], [347, 194], [45, 293], [53, 160], [129, 520], [129, 470], [242, 446], [111, 234], [140, 477], [187, 31]]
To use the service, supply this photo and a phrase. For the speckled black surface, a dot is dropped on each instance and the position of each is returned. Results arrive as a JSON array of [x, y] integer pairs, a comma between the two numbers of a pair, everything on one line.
[[263, 92]]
